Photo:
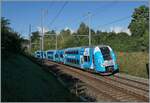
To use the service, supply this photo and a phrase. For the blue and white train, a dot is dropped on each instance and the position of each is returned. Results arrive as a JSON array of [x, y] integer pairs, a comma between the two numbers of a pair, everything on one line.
[[100, 59]]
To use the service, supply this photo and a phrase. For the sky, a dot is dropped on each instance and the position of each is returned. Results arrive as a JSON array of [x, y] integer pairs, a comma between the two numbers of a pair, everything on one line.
[[104, 15]]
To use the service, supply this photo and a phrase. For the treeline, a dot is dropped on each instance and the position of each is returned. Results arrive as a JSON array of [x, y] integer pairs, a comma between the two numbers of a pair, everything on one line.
[[11, 41], [137, 41]]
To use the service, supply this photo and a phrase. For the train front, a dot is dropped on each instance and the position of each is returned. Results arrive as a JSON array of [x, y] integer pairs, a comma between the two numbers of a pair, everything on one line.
[[105, 60]]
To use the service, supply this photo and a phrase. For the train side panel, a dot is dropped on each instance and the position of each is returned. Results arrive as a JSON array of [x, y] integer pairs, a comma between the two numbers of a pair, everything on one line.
[[87, 62], [61, 56], [72, 57], [51, 55]]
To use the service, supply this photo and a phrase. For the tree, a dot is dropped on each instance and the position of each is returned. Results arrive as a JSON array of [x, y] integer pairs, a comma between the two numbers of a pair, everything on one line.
[[11, 41], [83, 29], [139, 26], [140, 21], [35, 35]]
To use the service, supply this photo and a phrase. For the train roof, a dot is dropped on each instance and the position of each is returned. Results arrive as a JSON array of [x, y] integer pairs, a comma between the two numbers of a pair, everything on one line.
[[88, 46], [75, 48]]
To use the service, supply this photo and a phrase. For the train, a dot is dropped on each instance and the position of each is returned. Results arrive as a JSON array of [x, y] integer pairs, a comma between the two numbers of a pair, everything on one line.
[[100, 59]]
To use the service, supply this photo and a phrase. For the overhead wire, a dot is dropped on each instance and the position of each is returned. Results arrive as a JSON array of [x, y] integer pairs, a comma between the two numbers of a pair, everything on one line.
[[112, 22], [59, 12], [83, 17], [77, 20]]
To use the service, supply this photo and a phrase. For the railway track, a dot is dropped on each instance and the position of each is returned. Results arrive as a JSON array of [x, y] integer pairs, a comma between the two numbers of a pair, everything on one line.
[[132, 83], [109, 89], [143, 85]]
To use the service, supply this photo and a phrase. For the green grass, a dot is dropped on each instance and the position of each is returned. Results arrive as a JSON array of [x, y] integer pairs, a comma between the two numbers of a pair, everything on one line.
[[22, 80], [133, 63]]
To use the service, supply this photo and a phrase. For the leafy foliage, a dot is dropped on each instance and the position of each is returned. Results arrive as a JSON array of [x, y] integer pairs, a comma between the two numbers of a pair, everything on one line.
[[138, 41], [11, 41], [140, 20], [139, 27]]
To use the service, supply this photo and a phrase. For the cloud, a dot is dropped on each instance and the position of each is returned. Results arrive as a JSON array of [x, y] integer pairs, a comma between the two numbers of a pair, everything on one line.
[[44, 29], [118, 29], [58, 32], [67, 28]]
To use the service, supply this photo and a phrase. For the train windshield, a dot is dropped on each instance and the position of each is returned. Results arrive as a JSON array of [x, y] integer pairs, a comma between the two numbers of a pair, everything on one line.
[[106, 53]]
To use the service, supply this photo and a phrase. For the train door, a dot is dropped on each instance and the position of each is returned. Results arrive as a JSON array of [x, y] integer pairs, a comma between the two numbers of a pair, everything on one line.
[[98, 60], [86, 58]]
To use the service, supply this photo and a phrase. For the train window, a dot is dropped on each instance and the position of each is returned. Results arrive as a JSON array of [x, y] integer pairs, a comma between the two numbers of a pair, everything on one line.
[[61, 55], [87, 58], [77, 52], [106, 53]]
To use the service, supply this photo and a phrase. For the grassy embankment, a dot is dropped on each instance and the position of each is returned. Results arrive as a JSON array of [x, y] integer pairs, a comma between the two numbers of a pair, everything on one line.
[[133, 63], [22, 80]]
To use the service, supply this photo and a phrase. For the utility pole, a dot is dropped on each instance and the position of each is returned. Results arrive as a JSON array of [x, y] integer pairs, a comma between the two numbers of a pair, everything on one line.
[[43, 11], [89, 16], [30, 39], [42, 31], [56, 39]]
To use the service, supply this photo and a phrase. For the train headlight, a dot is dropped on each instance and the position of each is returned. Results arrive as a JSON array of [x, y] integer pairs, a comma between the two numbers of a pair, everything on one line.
[[108, 63]]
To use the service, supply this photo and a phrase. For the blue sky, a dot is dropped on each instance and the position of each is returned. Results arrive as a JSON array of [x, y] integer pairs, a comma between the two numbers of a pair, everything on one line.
[[21, 14]]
